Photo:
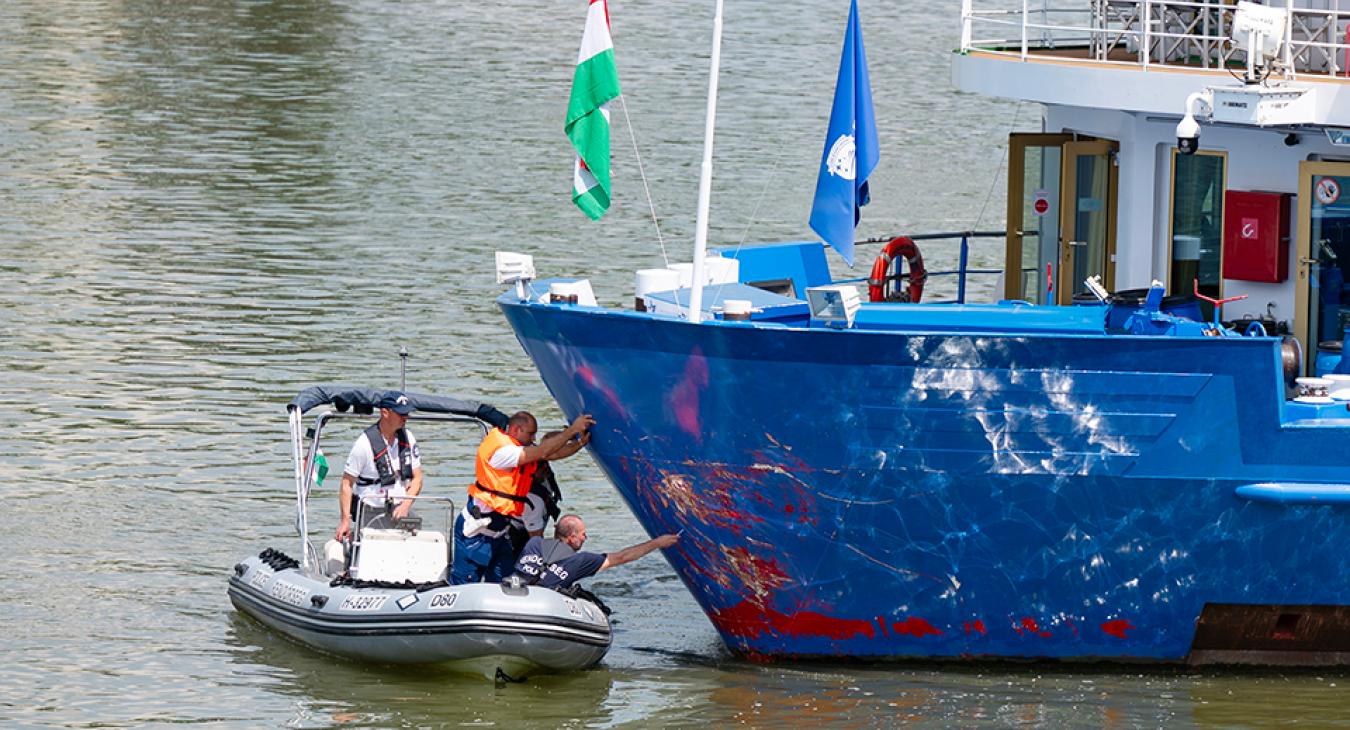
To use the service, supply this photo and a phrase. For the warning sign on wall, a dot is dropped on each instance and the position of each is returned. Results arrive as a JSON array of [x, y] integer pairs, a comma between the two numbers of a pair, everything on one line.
[[1040, 202], [1328, 191]]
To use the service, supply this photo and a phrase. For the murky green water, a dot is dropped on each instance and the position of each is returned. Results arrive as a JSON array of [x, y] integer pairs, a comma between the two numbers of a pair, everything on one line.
[[206, 205]]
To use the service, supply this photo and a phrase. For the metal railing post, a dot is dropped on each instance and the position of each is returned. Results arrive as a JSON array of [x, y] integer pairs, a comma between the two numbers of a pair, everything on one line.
[[1047, 37], [961, 270], [1207, 46], [1024, 30], [1289, 41], [966, 20], [1145, 46]]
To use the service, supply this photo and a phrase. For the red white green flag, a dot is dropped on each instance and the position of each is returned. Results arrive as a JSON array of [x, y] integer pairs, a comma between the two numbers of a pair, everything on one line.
[[594, 85]]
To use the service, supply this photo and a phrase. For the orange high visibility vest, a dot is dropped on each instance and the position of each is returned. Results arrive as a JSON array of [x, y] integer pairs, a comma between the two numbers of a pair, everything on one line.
[[503, 491]]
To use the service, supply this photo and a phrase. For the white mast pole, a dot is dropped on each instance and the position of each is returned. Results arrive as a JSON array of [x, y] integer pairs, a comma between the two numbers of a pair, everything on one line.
[[705, 173]]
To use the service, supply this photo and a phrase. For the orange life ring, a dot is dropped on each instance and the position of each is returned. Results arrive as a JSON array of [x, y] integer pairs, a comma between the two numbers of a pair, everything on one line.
[[877, 282]]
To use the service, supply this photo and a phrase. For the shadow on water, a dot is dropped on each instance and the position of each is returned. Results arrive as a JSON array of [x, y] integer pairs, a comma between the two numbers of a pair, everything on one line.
[[330, 691], [678, 687]]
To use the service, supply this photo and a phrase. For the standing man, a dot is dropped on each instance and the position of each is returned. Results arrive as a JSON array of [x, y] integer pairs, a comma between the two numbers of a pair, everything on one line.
[[384, 464], [504, 469], [558, 562]]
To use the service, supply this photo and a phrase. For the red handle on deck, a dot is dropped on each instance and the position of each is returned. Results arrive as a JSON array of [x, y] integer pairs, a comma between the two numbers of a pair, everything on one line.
[[1216, 302]]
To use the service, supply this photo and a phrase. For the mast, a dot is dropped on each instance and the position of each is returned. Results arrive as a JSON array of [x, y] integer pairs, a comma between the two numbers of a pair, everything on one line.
[[705, 173]]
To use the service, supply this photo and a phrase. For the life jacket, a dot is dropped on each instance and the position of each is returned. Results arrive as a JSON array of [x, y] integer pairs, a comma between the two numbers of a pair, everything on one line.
[[504, 492], [384, 463], [545, 486]]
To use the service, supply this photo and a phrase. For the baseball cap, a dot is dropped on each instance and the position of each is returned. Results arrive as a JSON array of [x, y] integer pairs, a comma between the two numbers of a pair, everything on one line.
[[397, 402]]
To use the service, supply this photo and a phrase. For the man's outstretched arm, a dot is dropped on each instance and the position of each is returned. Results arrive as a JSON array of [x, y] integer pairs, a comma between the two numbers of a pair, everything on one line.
[[550, 444], [633, 552]]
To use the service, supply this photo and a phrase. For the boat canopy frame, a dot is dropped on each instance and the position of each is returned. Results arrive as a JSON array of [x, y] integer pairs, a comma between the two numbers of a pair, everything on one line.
[[361, 402]]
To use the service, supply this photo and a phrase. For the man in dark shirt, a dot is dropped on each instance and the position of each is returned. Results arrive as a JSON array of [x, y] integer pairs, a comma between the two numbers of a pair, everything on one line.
[[558, 563]]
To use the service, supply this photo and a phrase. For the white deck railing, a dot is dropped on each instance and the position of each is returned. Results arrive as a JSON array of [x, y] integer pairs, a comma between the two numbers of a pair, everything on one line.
[[1193, 34]]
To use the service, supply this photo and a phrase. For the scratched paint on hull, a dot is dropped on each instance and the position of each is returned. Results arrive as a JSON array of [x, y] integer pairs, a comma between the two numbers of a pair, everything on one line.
[[1025, 496]]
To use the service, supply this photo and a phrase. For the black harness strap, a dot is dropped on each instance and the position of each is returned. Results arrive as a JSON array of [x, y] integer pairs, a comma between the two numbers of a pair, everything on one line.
[[384, 462], [498, 522], [504, 495], [546, 486]]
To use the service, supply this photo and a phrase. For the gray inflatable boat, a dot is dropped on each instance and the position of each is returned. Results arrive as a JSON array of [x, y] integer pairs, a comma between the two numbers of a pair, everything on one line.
[[390, 603]]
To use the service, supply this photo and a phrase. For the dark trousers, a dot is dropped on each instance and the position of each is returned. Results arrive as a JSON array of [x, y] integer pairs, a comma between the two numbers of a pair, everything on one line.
[[481, 558]]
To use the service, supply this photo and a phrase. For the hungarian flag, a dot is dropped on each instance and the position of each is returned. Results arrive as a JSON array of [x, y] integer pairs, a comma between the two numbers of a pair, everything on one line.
[[595, 84]]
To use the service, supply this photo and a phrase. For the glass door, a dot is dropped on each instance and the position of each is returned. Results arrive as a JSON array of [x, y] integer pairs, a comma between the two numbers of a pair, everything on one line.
[[1087, 218], [1320, 292], [1198, 187], [1035, 163]]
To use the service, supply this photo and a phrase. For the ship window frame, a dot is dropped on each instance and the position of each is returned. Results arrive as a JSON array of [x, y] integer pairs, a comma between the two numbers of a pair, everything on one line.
[[1172, 213]]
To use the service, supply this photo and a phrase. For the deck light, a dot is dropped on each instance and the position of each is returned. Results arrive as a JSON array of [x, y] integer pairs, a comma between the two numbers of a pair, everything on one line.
[[515, 268], [834, 305]]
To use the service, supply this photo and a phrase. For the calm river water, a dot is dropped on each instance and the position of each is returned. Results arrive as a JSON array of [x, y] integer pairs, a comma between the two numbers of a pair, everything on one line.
[[206, 205]]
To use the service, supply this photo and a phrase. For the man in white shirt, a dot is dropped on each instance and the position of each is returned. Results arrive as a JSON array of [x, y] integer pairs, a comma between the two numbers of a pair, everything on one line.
[[384, 464]]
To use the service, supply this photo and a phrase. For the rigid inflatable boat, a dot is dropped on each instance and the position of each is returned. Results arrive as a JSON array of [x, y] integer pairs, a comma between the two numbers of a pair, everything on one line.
[[384, 598]]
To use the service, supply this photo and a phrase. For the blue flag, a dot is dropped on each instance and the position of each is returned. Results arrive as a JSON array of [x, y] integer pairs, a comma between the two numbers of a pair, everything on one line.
[[850, 148]]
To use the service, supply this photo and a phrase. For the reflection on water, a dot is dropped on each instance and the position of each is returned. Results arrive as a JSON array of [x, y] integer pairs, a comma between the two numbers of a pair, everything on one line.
[[209, 204], [713, 690]]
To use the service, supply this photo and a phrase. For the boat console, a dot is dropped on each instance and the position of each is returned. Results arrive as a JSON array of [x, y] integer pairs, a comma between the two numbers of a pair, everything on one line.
[[391, 555]]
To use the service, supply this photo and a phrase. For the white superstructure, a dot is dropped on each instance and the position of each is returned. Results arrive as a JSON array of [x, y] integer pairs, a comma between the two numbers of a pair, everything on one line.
[[1104, 191]]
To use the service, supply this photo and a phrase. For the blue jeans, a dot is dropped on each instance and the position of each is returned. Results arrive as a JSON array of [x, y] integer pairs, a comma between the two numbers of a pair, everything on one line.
[[480, 558]]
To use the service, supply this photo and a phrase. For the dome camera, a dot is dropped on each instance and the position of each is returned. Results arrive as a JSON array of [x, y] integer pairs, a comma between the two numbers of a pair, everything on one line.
[[1188, 135]]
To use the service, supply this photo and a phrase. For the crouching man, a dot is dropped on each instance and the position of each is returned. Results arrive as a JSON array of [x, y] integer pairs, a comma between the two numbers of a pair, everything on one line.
[[558, 562]]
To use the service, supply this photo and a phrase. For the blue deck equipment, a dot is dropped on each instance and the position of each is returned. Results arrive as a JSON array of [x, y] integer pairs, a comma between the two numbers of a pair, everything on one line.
[[774, 266], [765, 306]]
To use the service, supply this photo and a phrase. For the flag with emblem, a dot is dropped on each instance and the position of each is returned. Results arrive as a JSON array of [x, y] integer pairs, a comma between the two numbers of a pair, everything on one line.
[[594, 85], [850, 148]]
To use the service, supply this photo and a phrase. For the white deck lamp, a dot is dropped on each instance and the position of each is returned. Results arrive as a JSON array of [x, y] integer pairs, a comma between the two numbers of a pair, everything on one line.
[[1263, 28], [515, 268], [834, 305]]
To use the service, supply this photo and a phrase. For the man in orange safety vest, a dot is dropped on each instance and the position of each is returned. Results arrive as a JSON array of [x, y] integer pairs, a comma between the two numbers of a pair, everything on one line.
[[504, 470]]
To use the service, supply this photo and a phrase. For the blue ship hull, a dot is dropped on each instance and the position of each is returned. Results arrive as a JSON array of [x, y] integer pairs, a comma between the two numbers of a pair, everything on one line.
[[884, 494]]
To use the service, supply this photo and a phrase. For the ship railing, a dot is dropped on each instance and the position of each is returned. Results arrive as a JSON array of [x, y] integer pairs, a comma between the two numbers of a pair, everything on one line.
[[1143, 33], [962, 270]]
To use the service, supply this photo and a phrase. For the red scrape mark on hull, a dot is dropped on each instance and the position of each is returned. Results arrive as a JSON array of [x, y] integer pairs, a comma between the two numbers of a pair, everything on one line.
[[882, 623], [586, 374], [746, 620], [916, 627], [710, 502], [762, 576], [1118, 628], [976, 626], [1028, 625], [683, 399]]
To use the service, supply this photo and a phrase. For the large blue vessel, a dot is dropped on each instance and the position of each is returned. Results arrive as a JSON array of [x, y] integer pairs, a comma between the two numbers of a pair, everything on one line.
[[1046, 476]]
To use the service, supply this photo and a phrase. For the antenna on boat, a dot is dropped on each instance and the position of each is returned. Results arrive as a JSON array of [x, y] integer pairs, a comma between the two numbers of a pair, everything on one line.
[[705, 173], [403, 367]]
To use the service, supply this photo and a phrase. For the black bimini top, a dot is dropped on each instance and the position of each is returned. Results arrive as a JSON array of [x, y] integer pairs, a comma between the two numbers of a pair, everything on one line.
[[365, 400]]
